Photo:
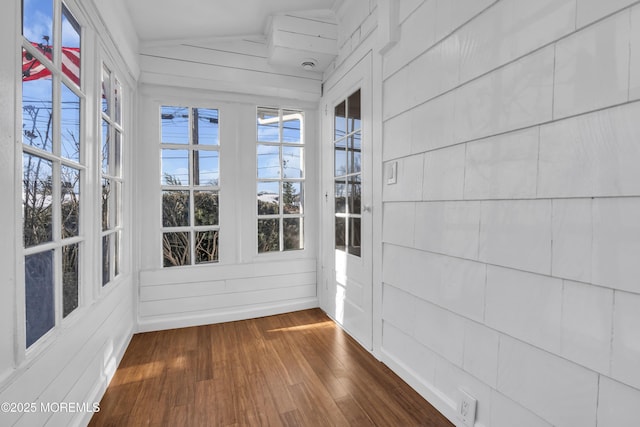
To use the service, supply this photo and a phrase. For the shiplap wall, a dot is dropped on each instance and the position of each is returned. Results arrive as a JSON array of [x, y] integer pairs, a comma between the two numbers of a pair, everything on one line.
[[511, 239]]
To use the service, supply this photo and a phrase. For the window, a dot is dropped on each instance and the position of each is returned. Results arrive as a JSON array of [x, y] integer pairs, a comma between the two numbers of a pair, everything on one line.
[[280, 179], [53, 164], [190, 183], [111, 175], [347, 142]]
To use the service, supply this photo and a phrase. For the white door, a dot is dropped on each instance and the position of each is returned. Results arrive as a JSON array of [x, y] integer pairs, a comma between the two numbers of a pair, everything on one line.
[[347, 225]]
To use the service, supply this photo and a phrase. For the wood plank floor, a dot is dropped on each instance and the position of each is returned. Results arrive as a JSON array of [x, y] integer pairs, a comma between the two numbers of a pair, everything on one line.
[[295, 369]]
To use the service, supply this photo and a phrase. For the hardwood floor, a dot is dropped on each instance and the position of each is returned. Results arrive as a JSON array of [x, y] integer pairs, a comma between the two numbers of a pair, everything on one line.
[[295, 369]]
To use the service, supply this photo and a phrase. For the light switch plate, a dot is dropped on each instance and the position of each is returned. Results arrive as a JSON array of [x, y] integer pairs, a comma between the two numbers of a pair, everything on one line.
[[391, 172]]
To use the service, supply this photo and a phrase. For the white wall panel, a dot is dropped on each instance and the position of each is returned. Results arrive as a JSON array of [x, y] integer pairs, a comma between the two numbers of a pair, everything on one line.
[[399, 223], [444, 173], [617, 403], [592, 67], [634, 59], [572, 236], [440, 330], [481, 352], [504, 411], [592, 10], [525, 306], [448, 228], [408, 184], [586, 325], [626, 345], [562, 393], [502, 167], [517, 234]]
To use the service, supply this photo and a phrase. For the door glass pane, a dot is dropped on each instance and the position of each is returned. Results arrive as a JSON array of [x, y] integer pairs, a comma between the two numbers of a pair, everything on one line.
[[268, 161], [116, 257], [292, 197], [175, 208], [117, 101], [175, 125], [39, 295], [341, 196], [206, 167], [268, 198], [205, 123], [354, 111], [292, 160], [37, 193], [105, 147], [175, 167], [106, 259], [341, 233], [354, 236], [354, 157], [70, 255], [106, 202], [340, 158], [117, 154], [37, 98], [206, 246], [354, 194], [106, 90], [268, 235], [70, 201], [176, 249], [268, 125], [70, 124], [291, 130], [292, 229], [205, 207], [340, 122]]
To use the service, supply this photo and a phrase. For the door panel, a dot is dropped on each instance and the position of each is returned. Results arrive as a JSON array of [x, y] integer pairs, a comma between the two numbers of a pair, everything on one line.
[[346, 177]]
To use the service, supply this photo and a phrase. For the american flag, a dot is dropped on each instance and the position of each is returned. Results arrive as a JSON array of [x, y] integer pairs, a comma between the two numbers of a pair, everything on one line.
[[32, 69]]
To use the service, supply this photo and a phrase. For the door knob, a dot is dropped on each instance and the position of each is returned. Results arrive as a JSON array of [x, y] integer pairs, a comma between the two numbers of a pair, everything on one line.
[[366, 208]]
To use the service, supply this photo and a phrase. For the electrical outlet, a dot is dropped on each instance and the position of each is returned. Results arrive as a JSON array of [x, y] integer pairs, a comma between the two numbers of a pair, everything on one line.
[[467, 408]]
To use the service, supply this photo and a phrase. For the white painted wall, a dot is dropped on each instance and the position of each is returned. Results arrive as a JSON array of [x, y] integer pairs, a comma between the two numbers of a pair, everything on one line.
[[511, 240], [75, 362]]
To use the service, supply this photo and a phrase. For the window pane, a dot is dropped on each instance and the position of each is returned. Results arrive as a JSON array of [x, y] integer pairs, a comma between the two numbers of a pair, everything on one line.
[[205, 122], [37, 97], [354, 236], [206, 246], [70, 124], [340, 158], [70, 263], [106, 143], [268, 161], [175, 208], [354, 159], [268, 125], [206, 207], [106, 259], [354, 111], [176, 249], [106, 202], [37, 200], [37, 21], [39, 295], [175, 167], [106, 89], [207, 169], [116, 204], [291, 130], [175, 125], [292, 162], [268, 198], [70, 201], [292, 229], [116, 258], [70, 46], [340, 123], [341, 196], [268, 235], [117, 101], [116, 156], [292, 197], [355, 190], [341, 233]]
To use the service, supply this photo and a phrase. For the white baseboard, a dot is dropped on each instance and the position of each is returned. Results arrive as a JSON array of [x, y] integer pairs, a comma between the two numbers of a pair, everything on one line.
[[225, 315]]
